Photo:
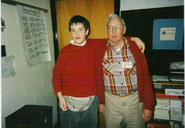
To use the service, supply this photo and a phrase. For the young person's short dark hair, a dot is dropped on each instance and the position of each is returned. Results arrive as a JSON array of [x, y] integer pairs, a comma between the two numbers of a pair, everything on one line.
[[79, 19]]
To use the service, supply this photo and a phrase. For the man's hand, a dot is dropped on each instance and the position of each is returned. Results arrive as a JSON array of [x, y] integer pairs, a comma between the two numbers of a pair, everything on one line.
[[147, 115], [139, 43], [62, 101], [101, 109]]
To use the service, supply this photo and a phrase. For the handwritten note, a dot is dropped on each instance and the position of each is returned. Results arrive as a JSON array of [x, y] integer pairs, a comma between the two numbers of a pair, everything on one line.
[[35, 38]]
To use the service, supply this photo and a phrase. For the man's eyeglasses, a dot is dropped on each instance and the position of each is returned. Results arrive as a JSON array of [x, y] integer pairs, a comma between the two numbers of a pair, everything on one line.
[[117, 28]]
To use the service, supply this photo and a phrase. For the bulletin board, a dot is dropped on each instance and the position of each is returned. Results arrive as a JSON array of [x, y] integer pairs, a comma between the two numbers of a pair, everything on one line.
[[140, 23], [168, 34]]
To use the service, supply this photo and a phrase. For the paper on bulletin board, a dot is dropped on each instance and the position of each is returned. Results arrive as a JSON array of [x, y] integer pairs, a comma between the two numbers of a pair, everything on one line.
[[7, 67], [36, 46], [168, 34]]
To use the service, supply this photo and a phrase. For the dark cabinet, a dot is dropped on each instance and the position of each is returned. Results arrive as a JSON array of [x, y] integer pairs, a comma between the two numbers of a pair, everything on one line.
[[30, 116]]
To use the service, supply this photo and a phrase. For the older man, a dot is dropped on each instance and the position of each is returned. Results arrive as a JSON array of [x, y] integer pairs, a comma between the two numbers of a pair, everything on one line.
[[124, 85]]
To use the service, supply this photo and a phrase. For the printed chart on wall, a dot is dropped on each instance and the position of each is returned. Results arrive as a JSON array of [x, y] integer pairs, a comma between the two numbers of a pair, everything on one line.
[[36, 46]]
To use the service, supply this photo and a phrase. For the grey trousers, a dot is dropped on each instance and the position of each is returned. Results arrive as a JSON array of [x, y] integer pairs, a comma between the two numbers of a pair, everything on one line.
[[82, 119], [123, 112]]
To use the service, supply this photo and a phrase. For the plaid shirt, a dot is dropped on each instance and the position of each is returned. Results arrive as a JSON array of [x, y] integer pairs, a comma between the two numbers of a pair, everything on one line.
[[117, 79]]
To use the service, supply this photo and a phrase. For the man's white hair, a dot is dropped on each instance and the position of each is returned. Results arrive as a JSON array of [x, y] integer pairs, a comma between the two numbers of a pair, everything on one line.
[[112, 16]]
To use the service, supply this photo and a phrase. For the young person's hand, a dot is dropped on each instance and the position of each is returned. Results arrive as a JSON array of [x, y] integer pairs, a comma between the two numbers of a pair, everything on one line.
[[139, 43], [62, 101], [101, 109]]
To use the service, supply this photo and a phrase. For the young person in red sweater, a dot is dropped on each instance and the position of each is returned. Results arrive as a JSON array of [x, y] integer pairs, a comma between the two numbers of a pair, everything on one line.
[[124, 86], [74, 77]]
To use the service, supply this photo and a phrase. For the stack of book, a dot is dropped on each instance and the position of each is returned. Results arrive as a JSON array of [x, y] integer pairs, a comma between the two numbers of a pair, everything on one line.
[[162, 108]]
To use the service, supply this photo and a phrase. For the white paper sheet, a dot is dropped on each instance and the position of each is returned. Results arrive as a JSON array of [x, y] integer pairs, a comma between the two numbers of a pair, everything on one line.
[[7, 66], [36, 46]]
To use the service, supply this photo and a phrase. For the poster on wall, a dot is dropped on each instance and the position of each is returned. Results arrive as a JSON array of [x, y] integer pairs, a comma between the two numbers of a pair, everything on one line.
[[35, 39], [168, 34]]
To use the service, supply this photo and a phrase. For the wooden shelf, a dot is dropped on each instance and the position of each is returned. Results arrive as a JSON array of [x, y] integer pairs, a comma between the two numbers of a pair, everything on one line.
[[169, 83]]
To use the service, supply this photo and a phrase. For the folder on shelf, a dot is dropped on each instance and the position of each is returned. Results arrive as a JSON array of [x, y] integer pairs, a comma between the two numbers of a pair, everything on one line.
[[163, 101], [174, 92], [177, 77], [161, 114], [177, 71], [163, 107], [159, 78], [177, 65], [162, 95]]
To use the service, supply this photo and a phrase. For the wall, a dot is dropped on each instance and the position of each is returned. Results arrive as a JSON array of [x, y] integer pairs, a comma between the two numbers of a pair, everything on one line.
[[143, 4], [96, 11], [30, 85]]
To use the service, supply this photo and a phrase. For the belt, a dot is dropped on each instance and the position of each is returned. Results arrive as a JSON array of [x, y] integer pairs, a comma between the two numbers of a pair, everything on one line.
[[124, 95]]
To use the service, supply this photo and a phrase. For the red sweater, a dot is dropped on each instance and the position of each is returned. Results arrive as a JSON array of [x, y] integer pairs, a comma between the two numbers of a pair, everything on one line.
[[74, 72], [145, 88]]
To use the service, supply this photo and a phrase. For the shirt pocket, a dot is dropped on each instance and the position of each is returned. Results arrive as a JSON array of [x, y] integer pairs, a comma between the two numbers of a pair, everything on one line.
[[108, 67], [131, 71]]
